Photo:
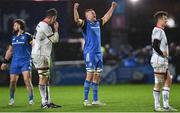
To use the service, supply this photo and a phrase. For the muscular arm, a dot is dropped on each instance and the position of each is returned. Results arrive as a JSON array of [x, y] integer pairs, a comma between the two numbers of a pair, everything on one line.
[[6, 59], [108, 15], [78, 21], [8, 53]]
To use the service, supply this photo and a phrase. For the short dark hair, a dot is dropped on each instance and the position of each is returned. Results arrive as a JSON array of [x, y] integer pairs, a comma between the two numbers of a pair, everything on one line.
[[87, 10], [160, 14], [51, 12], [21, 22]]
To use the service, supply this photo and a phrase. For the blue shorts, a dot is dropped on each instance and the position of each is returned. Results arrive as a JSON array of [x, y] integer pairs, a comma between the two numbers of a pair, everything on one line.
[[19, 66], [93, 62]]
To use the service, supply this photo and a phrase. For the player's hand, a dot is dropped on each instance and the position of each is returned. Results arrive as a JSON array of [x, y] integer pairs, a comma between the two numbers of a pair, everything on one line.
[[4, 66], [114, 5], [76, 5], [56, 26]]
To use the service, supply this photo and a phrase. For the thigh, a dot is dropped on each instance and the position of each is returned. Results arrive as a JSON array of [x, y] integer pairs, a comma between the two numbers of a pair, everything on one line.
[[26, 75], [168, 79], [89, 76], [14, 77]]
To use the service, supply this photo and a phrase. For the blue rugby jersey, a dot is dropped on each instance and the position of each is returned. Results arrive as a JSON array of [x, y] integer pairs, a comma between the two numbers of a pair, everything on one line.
[[21, 46], [92, 34]]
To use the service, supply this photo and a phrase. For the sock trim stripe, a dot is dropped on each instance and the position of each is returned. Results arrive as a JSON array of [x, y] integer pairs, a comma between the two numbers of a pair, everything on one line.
[[41, 85], [94, 83], [165, 90], [156, 91], [87, 81]]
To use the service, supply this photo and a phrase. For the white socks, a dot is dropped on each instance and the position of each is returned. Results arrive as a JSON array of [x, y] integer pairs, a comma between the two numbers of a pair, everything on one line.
[[45, 94], [165, 95], [48, 92], [156, 95], [42, 89]]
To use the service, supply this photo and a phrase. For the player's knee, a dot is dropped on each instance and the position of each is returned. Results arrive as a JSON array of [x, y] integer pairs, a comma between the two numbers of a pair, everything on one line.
[[89, 75], [157, 86], [27, 82], [158, 79], [43, 80], [13, 82]]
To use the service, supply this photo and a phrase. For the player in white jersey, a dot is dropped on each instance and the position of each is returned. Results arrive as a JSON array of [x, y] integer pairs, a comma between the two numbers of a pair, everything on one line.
[[159, 62], [41, 54]]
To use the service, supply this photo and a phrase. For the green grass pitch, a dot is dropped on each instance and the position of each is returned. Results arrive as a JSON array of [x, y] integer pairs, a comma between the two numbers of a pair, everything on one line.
[[119, 98]]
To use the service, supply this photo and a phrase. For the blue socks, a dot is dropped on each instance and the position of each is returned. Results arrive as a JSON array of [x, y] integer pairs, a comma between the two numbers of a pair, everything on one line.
[[87, 85], [86, 89], [95, 91], [30, 92], [11, 94], [12, 89], [31, 96]]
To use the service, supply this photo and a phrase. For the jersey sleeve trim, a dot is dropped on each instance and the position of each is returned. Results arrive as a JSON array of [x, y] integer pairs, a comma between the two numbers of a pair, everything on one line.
[[82, 24], [101, 22], [50, 35]]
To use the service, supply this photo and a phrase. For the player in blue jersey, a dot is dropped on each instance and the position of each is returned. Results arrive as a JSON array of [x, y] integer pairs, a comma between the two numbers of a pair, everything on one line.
[[91, 30], [20, 52]]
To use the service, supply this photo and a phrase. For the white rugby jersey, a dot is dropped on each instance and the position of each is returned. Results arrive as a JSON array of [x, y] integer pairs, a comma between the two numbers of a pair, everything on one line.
[[41, 44], [158, 33]]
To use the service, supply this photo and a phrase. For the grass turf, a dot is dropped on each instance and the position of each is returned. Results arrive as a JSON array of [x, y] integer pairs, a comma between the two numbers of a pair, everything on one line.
[[119, 98]]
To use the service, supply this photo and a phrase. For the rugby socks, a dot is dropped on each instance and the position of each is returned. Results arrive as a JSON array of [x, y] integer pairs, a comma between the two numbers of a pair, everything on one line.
[[12, 87], [42, 89], [30, 92], [156, 95], [95, 91], [48, 97], [165, 94], [86, 89]]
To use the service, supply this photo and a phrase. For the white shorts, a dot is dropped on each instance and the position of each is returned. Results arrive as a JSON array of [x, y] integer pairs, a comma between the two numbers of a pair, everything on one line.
[[159, 68], [41, 61]]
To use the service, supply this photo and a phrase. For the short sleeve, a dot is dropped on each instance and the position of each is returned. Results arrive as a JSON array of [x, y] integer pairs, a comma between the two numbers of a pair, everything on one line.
[[157, 34], [30, 38], [9, 43], [101, 22], [84, 25]]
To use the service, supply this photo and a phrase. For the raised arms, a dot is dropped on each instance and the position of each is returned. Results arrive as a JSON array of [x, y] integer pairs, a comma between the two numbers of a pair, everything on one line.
[[108, 15], [78, 21]]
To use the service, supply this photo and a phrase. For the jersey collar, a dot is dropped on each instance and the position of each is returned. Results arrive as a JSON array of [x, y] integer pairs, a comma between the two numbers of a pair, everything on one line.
[[159, 27], [91, 21], [45, 22], [20, 34]]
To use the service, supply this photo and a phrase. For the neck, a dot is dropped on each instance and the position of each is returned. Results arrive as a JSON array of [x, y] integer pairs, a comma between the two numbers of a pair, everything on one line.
[[46, 20], [20, 32], [92, 21], [160, 26]]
